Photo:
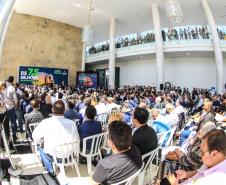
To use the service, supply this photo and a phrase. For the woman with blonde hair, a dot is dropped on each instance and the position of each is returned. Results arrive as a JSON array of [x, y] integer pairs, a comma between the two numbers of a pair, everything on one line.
[[115, 117], [94, 101]]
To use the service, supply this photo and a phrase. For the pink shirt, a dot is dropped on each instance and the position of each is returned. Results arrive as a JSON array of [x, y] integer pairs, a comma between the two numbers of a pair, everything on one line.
[[209, 176]]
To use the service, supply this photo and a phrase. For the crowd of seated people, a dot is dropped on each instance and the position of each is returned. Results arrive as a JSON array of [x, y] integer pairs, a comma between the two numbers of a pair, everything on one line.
[[138, 116], [170, 34]]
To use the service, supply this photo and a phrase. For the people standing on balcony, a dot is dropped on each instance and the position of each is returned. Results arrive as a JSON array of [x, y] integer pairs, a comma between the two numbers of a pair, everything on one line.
[[197, 32], [176, 34], [172, 34], [181, 34], [206, 33], [193, 34], [189, 33], [163, 35], [185, 34], [169, 35], [126, 41], [153, 37], [122, 42], [117, 44], [200, 33], [203, 33]]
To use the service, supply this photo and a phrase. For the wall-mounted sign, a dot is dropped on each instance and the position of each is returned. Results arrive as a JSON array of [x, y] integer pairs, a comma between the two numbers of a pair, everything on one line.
[[41, 75]]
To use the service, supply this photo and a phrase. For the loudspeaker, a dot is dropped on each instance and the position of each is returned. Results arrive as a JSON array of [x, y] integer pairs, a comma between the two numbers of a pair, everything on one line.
[[117, 77], [161, 87]]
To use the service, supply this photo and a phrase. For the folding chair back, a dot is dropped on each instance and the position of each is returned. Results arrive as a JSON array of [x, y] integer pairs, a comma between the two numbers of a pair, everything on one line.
[[67, 155], [130, 179]]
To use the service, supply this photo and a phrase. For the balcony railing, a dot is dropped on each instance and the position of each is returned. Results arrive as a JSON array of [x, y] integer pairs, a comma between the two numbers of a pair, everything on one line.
[[205, 45], [175, 36]]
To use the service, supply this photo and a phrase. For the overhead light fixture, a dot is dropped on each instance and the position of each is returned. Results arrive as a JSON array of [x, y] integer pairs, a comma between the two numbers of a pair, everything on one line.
[[174, 11], [87, 32]]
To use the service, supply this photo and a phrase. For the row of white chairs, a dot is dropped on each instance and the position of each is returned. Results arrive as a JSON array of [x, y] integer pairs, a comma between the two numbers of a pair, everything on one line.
[[103, 119], [68, 155]]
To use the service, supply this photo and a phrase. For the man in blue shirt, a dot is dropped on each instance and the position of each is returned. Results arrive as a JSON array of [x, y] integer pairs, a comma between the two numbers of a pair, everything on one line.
[[71, 113], [89, 127]]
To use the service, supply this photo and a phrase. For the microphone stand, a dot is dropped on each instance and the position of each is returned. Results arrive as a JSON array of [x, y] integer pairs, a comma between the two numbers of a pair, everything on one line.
[[13, 169]]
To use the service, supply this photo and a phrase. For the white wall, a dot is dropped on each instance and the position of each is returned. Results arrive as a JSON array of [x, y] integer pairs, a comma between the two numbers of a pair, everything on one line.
[[184, 72], [191, 72], [137, 72]]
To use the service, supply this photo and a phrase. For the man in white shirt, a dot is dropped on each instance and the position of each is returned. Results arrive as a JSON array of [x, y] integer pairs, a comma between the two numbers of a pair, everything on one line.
[[179, 109], [111, 105], [101, 107], [55, 130], [10, 101], [213, 171]]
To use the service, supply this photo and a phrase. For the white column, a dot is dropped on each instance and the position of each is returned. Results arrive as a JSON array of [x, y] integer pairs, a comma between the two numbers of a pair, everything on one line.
[[159, 47], [112, 54], [217, 47], [5, 17], [84, 57]]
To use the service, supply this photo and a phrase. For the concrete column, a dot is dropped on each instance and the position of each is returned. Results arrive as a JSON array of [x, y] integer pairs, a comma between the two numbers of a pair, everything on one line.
[[217, 47], [112, 54], [5, 17], [84, 57], [159, 46]]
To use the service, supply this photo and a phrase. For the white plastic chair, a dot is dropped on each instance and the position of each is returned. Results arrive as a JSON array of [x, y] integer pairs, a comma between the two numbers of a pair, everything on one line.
[[96, 142], [185, 144], [147, 161], [130, 179], [105, 143], [76, 122], [176, 124], [67, 155], [33, 144], [103, 119], [186, 111], [32, 126], [166, 138]]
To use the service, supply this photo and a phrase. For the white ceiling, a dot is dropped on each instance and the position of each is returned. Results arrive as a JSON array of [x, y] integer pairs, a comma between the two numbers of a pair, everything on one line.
[[132, 15]]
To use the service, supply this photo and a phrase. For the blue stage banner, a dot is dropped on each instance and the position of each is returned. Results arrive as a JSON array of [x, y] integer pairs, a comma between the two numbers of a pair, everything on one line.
[[42, 76]]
